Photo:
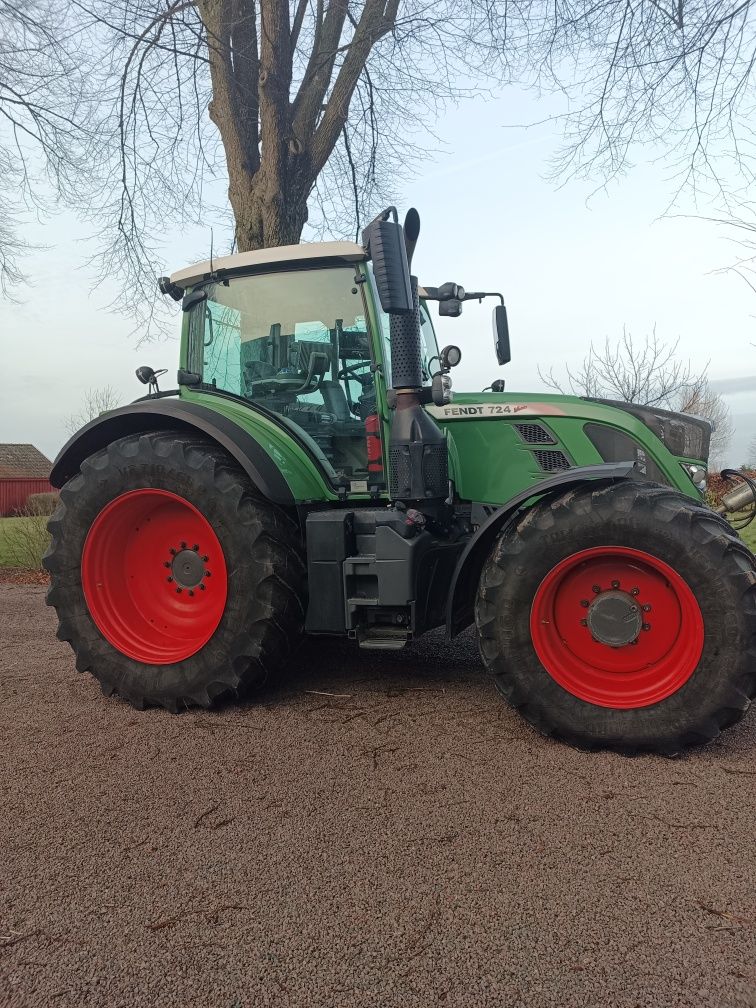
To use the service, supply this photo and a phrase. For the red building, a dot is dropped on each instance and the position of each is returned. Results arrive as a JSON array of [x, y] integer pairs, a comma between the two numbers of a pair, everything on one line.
[[23, 470]]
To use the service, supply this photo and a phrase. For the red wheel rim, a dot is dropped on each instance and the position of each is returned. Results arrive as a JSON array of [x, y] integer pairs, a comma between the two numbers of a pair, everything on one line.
[[612, 592], [154, 576]]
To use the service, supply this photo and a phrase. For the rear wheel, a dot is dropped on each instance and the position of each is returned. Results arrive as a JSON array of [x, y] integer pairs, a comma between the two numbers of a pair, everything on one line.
[[173, 583], [621, 617]]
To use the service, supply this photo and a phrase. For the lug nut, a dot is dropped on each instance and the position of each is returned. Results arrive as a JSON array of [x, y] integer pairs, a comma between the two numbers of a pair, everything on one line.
[[207, 573], [596, 589], [583, 622], [204, 559], [584, 603], [170, 579], [201, 587], [172, 551], [646, 607], [196, 548], [646, 626], [178, 591], [615, 584], [167, 563], [183, 545], [635, 591], [191, 593]]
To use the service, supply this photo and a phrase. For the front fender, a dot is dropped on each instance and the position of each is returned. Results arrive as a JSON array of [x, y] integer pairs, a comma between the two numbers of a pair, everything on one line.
[[460, 601], [174, 414]]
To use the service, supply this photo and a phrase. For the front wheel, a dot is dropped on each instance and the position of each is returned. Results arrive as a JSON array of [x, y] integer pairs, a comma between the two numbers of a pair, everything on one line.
[[622, 617]]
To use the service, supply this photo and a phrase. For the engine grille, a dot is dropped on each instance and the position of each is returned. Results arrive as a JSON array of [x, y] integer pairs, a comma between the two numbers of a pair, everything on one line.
[[551, 461], [532, 433]]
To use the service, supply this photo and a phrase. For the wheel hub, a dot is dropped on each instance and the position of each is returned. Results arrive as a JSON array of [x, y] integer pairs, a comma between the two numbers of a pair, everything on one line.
[[615, 618], [188, 568]]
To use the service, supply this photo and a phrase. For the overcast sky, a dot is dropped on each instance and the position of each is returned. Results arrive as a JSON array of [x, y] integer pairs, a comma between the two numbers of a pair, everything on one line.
[[572, 270]]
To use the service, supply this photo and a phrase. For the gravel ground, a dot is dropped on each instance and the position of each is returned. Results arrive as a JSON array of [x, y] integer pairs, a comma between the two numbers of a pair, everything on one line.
[[407, 842]]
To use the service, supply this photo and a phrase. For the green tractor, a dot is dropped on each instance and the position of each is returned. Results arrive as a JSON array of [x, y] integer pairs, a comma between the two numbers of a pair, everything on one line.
[[313, 474]]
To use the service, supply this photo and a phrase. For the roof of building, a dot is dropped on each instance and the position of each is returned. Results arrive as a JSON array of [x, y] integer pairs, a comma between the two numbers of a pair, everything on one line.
[[343, 250], [23, 461]]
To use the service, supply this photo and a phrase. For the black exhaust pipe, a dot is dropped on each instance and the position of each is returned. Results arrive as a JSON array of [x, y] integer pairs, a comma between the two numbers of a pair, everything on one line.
[[418, 458]]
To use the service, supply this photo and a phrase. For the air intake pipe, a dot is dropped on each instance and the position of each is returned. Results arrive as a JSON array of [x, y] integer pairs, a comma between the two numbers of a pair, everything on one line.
[[418, 456], [418, 460]]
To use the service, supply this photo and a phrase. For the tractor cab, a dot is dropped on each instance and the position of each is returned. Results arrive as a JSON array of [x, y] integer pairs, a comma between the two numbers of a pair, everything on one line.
[[298, 334]]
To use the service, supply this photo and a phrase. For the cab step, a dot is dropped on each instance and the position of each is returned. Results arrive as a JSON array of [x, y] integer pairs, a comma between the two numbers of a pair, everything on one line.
[[383, 638]]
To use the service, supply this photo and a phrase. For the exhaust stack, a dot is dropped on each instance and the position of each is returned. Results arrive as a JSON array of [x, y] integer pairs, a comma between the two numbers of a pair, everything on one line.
[[418, 459], [418, 456]]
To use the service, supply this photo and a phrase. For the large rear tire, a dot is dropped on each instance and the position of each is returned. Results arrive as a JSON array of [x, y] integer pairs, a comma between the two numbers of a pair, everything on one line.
[[622, 617], [173, 583]]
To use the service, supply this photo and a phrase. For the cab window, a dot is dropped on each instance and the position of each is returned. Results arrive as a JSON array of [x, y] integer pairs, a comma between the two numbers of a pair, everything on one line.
[[296, 344]]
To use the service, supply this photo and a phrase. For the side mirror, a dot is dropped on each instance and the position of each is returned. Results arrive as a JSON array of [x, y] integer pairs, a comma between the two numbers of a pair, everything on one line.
[[384, 241], [501, 334]]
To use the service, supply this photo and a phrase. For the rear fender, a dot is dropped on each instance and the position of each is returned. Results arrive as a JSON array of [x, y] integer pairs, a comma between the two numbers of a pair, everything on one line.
[[174, 414], [464, 585]]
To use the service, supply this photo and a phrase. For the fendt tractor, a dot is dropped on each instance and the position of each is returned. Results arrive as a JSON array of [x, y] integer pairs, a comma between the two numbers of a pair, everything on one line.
[[312, 473]]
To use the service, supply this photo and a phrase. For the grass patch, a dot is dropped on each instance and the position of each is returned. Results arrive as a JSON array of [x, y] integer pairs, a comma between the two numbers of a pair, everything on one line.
[[748, 535], [23, 541]]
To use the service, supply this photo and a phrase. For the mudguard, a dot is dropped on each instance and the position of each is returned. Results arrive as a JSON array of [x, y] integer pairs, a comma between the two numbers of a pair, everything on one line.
[[168, 414], [460, 601]]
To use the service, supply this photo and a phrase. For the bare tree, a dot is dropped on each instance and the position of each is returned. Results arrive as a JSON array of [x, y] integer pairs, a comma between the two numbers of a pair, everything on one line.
[[96, 401], [649, 373], [313, 109], [752, 452], [743, 231], [42, 118], [678, 75]]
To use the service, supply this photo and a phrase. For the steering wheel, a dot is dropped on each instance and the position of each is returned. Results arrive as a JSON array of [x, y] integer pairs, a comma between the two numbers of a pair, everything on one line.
[[348, 371]]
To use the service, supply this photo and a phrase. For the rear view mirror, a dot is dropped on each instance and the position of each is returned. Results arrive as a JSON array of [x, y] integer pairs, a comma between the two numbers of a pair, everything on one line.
[[384, 241], [501, 334]]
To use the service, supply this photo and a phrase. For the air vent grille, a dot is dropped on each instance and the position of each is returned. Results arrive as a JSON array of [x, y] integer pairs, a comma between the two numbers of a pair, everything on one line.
[[552, 461], [532, 433]]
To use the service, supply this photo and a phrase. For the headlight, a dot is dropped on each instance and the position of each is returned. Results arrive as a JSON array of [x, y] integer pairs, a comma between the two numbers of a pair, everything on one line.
[[697, 474]]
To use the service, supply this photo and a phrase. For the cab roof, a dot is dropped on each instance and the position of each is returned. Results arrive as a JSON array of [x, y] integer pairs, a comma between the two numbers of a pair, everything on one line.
[[339, 251]]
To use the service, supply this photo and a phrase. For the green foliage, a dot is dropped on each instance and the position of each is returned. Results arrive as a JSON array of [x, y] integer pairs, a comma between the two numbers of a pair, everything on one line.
[[24, 540]]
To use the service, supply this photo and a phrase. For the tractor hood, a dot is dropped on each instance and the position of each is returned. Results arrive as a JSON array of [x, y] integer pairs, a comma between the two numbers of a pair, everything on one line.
[[539, 435]]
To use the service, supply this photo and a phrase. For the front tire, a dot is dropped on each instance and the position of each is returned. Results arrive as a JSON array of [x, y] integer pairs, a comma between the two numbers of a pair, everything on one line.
[[622, 617], [173, 583]]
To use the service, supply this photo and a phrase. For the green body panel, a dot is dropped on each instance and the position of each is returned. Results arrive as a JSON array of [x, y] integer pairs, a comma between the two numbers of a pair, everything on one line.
[[489, 462], [306, 481]]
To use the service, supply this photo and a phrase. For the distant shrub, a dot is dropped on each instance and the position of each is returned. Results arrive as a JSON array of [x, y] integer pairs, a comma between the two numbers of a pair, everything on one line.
[[42, 503], [28, 539]]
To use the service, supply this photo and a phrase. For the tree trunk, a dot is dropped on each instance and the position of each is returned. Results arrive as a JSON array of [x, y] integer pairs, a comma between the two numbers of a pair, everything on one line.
[[267, 211]]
